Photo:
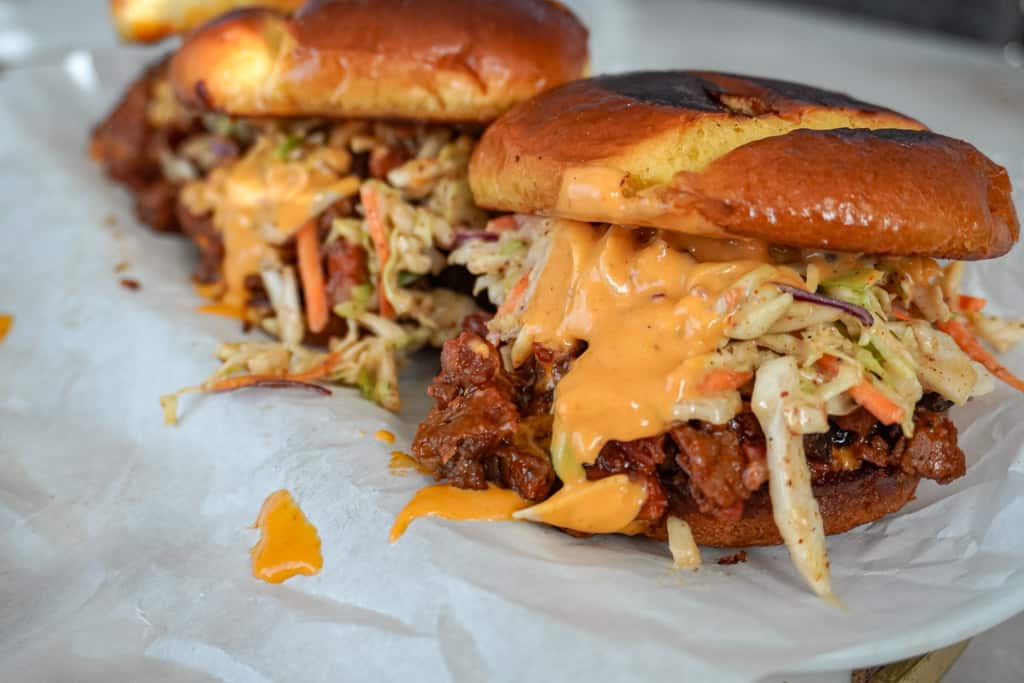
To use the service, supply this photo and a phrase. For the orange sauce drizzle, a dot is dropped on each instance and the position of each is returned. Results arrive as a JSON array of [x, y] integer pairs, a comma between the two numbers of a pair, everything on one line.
[[211, 291], [6, 322], [224, 310], [651, 315], [259, 201], [384, 435], [402, 464], [448, 502], [288, 544], [604, 506]]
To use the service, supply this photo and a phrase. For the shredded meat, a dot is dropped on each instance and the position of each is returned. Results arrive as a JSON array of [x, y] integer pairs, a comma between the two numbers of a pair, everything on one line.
[[932, 452], [724, 464], [120, 142], [384, 159], [209, 242], [132, 150], [471, 434], [346, 267], [476, 323], [128, 147], [734, 558], [489, 424]]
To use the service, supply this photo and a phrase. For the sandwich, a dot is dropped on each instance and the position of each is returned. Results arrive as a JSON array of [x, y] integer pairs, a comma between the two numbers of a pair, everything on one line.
[[728, 313], [149, 143], [338, 183]]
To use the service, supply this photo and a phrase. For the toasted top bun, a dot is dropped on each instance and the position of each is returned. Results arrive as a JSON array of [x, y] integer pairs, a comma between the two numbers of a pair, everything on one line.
[[150, 20], [733, 156], [438, 60]]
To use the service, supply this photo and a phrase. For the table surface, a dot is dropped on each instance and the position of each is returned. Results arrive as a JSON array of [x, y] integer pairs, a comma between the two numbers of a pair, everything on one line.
[[820, 48]]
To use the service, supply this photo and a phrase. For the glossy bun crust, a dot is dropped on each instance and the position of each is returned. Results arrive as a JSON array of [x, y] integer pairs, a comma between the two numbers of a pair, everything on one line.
[[734, 156], [846, 502], [150, 20], [437, 60]]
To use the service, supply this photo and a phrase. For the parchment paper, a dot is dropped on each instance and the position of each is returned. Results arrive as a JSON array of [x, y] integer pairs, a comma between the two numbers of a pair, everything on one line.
[[123, 543]]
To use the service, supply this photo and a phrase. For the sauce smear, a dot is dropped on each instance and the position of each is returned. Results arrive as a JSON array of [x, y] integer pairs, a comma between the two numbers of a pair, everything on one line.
[[384, 435], [288, 545], [448, 502], [6, 321], [224, 310], [402, 464]]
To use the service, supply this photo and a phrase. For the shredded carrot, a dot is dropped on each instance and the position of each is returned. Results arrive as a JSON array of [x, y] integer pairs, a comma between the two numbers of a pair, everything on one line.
[[375, 224], [866, 394], [876, 403], [502, 223], [899, 314], [312, 275], [723, 380], [316, 372], [514, 295], [970, 304], [973, 348]]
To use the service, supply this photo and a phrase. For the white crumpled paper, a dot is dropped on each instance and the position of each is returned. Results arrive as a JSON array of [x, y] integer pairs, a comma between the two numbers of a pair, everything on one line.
[[124, 543]]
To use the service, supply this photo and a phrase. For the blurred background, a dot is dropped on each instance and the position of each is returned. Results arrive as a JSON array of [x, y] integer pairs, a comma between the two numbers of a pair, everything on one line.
[[992, 21], [997, 24]]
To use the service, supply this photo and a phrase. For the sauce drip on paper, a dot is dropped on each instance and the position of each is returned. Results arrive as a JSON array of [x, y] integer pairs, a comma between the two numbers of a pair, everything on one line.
[[288, 544], [402, 464], [448, 502], [384, 435], [6, 321], [224, 310]]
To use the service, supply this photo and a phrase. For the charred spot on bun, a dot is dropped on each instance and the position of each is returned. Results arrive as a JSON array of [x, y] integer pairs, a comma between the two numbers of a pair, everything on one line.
[[720, 317]]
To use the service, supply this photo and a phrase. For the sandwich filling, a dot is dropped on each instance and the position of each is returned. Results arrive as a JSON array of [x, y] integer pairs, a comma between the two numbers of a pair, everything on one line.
[[335, 233], [632, 374], [152, 145], [324, 233]]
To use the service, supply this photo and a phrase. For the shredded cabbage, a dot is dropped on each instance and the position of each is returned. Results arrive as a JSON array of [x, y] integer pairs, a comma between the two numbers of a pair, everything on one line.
[[794, 508], [685, 553]]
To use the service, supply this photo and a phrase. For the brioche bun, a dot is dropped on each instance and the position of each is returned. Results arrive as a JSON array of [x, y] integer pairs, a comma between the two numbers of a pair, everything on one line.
[[733, 156], [147, 21], [436, 60]]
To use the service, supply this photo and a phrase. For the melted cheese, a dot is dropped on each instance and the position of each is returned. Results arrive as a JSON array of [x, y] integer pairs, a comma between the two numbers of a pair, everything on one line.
[[288, 544], [6, 321], [448, 502], [260, 201], [650, 315]]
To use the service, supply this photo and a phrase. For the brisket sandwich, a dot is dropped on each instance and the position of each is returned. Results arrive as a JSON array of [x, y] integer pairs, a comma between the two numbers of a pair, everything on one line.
[[338, 183], [720, 319]]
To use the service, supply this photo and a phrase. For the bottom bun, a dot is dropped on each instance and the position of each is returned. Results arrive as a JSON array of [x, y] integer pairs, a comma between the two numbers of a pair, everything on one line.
[[845, 502]]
